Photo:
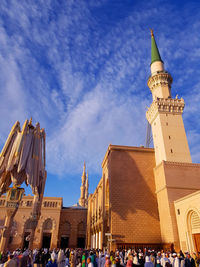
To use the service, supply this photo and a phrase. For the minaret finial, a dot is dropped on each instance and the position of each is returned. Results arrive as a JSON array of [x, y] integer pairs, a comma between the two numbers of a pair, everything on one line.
[[30, 121], [151, 30], [84, 173], [84, 166]]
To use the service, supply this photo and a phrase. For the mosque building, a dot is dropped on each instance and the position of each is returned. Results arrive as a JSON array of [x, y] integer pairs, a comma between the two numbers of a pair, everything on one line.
[[149, 197], [58, 226], [145, 198]]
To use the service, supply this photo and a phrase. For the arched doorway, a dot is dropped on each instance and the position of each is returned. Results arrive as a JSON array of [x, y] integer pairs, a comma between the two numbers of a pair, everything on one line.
[[47, 232], [27, 231], [81, 235], [65, 235], [194, 230]]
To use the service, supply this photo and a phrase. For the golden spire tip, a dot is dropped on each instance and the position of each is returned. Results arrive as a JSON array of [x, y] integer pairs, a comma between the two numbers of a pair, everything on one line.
[[151, 30], [30, 121], [84, 166]]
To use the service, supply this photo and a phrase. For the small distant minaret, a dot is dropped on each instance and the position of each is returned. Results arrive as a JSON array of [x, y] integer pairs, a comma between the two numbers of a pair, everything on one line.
[[82, 196], [86, 191]]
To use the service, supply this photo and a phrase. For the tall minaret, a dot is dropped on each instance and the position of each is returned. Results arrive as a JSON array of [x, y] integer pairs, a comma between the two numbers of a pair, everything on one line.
[[86, 191], [165, 114], [172, 153], [82, 196]]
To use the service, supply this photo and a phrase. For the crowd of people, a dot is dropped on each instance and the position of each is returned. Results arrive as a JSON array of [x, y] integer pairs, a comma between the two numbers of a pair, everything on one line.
[[98, 258]]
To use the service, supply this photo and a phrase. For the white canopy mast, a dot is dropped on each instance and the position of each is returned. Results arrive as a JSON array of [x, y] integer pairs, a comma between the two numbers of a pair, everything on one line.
[[22, 160]]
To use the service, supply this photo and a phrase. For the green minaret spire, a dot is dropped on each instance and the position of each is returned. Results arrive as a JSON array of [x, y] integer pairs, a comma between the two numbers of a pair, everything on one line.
[[155, 55]]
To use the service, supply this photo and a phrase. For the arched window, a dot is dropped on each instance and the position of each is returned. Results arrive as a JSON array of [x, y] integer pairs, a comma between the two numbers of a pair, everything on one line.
[[48, 225], [81, 228], [66, 228], [195, 222]]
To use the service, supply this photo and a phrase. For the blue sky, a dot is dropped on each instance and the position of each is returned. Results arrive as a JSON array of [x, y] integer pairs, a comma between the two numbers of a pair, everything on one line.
[[80, 68]]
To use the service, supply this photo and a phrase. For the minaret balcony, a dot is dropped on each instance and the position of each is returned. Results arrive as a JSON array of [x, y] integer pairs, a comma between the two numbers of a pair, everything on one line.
[[159, 78], [163, 105], [158, 72]]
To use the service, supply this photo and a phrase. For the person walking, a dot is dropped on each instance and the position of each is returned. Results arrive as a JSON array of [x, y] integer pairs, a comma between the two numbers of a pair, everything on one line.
[[61, 258], [129, 261], [89, 262], [72, 259]]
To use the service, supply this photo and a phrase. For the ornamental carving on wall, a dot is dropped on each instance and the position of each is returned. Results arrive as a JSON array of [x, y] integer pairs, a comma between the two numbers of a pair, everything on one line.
[[163, 105]]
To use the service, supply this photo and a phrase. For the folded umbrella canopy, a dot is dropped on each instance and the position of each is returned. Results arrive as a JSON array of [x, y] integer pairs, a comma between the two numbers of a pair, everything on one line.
[[23, 158]]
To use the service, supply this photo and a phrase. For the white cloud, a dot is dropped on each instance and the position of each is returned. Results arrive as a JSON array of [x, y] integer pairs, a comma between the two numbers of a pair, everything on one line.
[[101, 118]]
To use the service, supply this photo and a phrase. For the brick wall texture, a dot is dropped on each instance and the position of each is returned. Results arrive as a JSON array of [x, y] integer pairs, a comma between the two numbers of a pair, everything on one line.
[[134, 208]]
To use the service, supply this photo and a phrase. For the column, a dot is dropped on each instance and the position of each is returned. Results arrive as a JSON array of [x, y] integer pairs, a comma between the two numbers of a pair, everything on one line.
[[91, 241], [100, 246], [94, 241], [97, 235]]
